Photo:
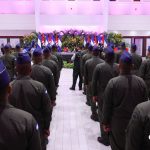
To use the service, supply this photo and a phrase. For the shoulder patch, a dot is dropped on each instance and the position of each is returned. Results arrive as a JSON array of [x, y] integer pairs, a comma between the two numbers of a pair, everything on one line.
[[37, 127], [45, 91]]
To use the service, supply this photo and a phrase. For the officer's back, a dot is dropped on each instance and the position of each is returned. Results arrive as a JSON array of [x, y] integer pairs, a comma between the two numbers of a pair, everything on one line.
[[138, 131], [58, 56], [18, 129], [43, 74], [86, 57], [53, 67], [9, 61], [145, 68], [91, 64], [137, 60]]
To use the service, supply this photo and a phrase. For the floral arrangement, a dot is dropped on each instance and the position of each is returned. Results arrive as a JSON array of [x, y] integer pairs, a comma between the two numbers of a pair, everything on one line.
[[27, 39], [71, 38]]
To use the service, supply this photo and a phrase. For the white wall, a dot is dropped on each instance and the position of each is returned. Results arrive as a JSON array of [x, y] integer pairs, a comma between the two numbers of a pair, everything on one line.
[[17, 22], [87, 15], [15, 32], [130, 24], [62, 22]]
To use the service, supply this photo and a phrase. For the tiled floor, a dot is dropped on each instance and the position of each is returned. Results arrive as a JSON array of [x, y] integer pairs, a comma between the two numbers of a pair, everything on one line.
[[71, 127]]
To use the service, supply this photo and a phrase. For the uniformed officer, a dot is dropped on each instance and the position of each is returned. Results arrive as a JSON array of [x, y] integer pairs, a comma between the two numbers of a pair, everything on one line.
[[53, 57], [102, 74], [121, 96], [88, 73], [9, 61], [118, 54], [31, 96], [76, 58], [137, 60], [50, 64], [144, 72], [17, 50], [59, 58], [58, 55], [43, 74], [84, 58], [138, 131], [15, 122]]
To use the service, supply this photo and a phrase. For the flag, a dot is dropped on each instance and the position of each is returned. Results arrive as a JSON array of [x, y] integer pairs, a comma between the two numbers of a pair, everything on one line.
[[99, 39], [95, 40], [53, 40], [46, 40], [104, 40], [43, 39], [88, 39], [84, 43], [92, 40], [59, 41], [59, 49], [39, 40]]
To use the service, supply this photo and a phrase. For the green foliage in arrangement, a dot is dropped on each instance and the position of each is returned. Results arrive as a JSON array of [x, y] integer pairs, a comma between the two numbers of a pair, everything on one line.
[[68, 65], [114, 38], [27, 39], [72, 41]]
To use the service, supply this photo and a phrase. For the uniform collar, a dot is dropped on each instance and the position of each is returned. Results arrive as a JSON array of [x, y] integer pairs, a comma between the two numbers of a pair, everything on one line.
[[38, 64], [20, 77], [95, 56]]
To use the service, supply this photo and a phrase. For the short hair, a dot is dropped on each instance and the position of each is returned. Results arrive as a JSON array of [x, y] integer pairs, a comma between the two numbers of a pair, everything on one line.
[[24, 69]]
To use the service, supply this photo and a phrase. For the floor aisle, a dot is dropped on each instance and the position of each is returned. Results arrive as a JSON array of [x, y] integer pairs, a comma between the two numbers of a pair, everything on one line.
[[71, 127]]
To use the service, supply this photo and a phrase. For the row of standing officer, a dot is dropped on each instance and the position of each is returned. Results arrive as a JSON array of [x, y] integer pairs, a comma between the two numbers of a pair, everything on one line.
[[117, 96], [34, 95]]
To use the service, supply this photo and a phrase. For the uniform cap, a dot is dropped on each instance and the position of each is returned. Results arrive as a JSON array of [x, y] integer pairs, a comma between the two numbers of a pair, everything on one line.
[[7, 46], [18, 46], [96, 49], [126, 58], [46, 50], [23, 58], [109, 51], [37, 52], [4, 77], [133, 46]]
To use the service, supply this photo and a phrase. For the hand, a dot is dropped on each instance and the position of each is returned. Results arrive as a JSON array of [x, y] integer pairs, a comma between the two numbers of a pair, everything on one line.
[[53, 103], [46, 133], [95, 99], [106, 128]]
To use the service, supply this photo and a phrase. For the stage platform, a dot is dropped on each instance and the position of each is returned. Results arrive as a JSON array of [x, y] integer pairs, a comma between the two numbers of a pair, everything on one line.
[[67, 56]]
